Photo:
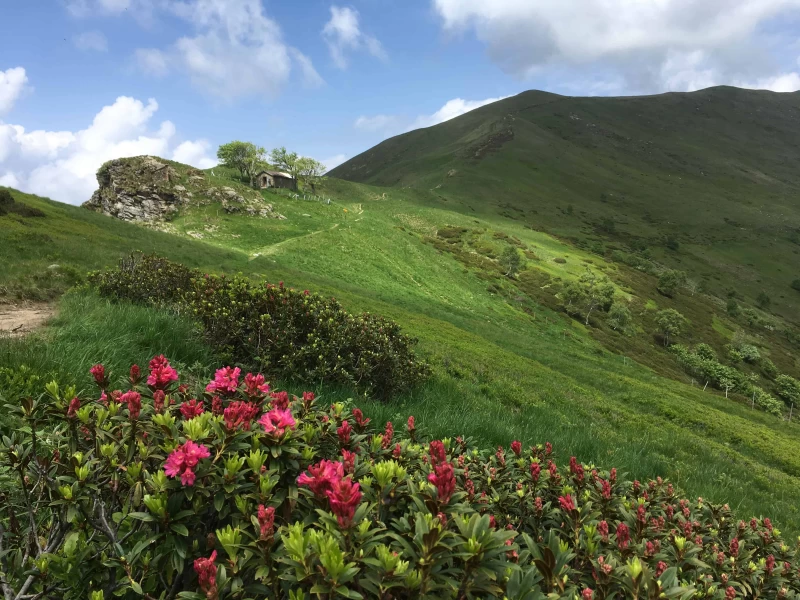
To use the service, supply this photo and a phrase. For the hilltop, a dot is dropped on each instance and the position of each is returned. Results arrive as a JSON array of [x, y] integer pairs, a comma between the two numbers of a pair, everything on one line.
[[423, 242], [704, 181]]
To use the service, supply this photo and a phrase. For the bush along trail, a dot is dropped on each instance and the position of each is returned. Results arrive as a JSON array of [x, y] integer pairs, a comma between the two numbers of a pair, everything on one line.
[[162, 489]]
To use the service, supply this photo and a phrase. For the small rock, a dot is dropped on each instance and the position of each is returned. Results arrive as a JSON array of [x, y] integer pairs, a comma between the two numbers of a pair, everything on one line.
[[54, 267]]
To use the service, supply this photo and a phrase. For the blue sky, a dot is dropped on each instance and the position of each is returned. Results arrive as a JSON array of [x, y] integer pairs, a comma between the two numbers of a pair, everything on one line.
[[83, 81]]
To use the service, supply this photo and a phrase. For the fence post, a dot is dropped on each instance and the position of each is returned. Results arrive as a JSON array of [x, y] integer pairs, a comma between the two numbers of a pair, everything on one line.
[[790, 412]]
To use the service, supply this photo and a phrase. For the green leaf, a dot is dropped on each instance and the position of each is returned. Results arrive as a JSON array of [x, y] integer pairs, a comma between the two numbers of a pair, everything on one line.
[[179, 529], [142, 516]]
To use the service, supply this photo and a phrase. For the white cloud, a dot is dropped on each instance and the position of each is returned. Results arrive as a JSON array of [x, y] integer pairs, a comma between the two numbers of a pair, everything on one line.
[[63, 164], [91, 41], [139, 9], [452, 109], [195, 154], [333, 161], [377, 123], [9, 180], [787, 82], [653, 45], [343, 34], [389, 125], [151, 61], [235, 50], [12, 84]]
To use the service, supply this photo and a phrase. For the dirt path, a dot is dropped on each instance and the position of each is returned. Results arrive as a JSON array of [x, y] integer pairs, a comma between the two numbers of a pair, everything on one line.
[[272, 249], [19, 320]]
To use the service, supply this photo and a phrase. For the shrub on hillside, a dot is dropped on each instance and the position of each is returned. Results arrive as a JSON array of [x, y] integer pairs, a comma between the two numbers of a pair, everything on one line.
[[248, 493], [284, 332], [788, 388], [9, 205]]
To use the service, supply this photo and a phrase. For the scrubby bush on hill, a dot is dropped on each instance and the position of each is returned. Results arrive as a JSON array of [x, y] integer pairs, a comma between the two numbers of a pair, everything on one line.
[[284, 332], [243, 492], [9, 205]]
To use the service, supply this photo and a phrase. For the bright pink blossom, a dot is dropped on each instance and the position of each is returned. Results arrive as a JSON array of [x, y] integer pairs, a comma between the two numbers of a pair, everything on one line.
[[443, 477], [134, 402], [191, 409], [344, 432], [161, 373], [344, 497], [183, 461], [349, 460], [437, 452], [99, 374], [276, 422], [587, 594], [226, 381], [73, 407], [240, 414], [516, 447], [319, 478], [207, 575], [255, 385], [266, 522], [280, 400]]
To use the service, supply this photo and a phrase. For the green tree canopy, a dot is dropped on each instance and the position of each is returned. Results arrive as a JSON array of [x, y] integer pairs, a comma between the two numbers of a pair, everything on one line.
[[670, 323], [245, 157]]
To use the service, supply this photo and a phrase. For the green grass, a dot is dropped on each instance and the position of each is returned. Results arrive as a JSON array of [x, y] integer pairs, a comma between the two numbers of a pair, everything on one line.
[[507, 362]]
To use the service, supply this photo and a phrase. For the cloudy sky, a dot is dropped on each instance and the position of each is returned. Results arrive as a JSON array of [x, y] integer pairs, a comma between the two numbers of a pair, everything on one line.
[[84, 81]]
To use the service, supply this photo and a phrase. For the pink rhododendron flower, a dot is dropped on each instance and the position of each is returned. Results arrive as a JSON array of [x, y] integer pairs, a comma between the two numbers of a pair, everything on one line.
[[280, 400], [266, 522], [216, 406], [730, 593], [103, 398], [536, 470], [240, 414], [207, 575], [255, 385], [308, 398], [660, 568], [319, 478], [567, 503], [436, 450], [276, 422], [135, 374], [349, 460], [516, 447], [183, 460], [226, 381], [158, 401], [134, 402], [344, 433], [411, 425], [99, 374], [444, 479], [161, 373], [398, 450], [587, 594], [344, 497], [623, 536], [359, 417], [73, 407], [191, 409], [388, 434]]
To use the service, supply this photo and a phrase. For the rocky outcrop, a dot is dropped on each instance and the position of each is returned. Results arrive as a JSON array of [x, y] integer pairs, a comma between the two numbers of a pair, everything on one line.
[[149, 190]]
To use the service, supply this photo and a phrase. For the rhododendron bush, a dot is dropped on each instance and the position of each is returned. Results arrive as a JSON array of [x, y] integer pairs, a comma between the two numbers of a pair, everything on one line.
[[281, 331], [147, 487]]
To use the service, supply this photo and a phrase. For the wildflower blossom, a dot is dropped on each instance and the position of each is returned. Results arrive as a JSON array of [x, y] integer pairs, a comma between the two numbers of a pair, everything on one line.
[[255, 385], [280, 400], [730, 593], [411, 425], [344, 432], [444, 479], [623, 536], [567, 503], [437, 452], [359, 417], [135, 374], [660, 568], [734, 547], [73, 407], [133, 400], [276, 422], [158, 401], [266, 522], [344, 496], [516, 447], [605, 491], [536, 470], [183, 461], [99, 374], [240, 414], [349, 461], [587, 594], [398, 450], [191, 409], [161, 373], [319, 478], [206, 571], [216, 406], [602, 528], [388, 434], [226, 381]]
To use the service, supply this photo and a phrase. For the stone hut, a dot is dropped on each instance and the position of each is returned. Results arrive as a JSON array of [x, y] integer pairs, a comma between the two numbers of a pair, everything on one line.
[[275, 179]]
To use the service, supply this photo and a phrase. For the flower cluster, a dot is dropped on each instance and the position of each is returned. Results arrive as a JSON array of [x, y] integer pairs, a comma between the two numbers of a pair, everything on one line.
[[145, 490]]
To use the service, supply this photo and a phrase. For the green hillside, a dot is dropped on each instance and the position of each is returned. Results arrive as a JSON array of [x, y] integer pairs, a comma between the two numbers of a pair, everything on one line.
[[508, 362], [714, 171]]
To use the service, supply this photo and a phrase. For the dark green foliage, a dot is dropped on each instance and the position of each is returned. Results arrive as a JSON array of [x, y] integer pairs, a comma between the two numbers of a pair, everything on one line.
[[510, 261], [669, 281], [763, 301], [620, 318], [796, 285], [284, 332], [788, 388], [732, 307], [672, 243], [671, 324], [9, 206]]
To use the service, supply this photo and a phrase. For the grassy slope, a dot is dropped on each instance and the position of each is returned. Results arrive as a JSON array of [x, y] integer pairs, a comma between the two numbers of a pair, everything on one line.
[[500, 372], [716, 168]]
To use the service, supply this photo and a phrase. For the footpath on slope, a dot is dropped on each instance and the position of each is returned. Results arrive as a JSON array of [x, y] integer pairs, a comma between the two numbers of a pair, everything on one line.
[[20, 320]]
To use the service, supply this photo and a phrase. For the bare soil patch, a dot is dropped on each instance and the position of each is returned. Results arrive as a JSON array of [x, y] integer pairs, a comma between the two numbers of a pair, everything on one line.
[[18, 320]]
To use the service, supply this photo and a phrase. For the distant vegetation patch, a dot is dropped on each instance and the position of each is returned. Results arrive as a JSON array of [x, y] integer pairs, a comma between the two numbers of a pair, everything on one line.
[[10, 206], [284, 332]]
